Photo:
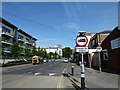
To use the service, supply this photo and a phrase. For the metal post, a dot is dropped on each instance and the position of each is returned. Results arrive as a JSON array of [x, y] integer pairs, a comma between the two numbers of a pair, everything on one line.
[[82, 74], [99, 63], [89, 60], [72, 70]]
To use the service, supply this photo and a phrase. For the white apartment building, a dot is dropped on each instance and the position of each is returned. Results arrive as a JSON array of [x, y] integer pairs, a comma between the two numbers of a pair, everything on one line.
[[56, 48]]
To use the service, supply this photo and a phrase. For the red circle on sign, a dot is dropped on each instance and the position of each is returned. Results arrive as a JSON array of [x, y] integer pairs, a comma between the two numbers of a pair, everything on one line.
[[84, 44]]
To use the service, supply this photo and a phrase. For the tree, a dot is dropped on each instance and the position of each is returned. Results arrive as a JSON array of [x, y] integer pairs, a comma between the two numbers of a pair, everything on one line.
[[50, 55], [42, 52], [45, 53], [67, 52], [15, 50], [34, 51], [55, 55], [27, 52]]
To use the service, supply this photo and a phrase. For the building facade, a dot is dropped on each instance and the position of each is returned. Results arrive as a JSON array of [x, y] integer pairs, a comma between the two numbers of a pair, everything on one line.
[[10, 34], [25, 40], [94, 43], [111, 51], [55, 48]]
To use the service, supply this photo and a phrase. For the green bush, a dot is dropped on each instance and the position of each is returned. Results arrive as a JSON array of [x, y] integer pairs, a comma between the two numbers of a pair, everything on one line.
[[15, 63]]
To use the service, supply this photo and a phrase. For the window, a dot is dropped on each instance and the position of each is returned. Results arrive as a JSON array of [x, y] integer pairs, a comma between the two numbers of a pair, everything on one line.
[[93, 43], [20, 37], [3, 29], [105, 54]]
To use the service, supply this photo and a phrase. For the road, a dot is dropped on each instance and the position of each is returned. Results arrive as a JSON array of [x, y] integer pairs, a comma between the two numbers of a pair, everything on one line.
[[55, 75], [45, 75]]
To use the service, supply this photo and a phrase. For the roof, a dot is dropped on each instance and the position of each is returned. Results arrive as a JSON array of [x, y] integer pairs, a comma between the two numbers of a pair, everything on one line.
[[7, 23], [105, 32], [21, 31], [56, 46], [89, 34]]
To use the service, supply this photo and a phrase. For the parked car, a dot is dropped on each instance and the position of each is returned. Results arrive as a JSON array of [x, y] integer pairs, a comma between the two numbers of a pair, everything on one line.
[[45, 60], [66, 60], [52, 60]]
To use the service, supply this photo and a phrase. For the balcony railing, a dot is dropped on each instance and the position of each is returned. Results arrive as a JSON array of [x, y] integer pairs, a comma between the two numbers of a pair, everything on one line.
[[8, 34], [7, 41], [7, 50], [28, 42], [20, 39], [22, 46]]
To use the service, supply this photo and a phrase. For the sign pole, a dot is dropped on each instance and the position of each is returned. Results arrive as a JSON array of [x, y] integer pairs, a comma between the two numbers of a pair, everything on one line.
[[99, 63], [82, 74], [81, 42]]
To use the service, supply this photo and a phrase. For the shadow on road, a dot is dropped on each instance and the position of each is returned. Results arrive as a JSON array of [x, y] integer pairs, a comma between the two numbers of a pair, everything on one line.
[[74, 84]]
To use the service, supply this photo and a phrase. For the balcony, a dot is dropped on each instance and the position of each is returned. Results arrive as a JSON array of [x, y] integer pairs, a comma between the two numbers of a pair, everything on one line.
[[23, 53], [28, 42], [20, 39], [8, 34], [22, 46], [7, 42], [7, 50]]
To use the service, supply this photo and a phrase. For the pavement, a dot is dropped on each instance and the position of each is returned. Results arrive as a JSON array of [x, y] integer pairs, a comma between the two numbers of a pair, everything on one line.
[[93, 79]]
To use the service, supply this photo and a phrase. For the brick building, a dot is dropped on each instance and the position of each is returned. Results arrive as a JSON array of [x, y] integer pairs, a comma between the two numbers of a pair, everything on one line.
[[94, 43], [111, 51]]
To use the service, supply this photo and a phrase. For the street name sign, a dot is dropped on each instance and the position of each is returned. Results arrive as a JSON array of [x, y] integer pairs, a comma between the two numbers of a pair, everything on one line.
[[81, 49]]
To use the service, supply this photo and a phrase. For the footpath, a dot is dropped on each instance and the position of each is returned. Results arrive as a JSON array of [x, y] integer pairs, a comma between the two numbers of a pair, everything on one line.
[[93, 79]]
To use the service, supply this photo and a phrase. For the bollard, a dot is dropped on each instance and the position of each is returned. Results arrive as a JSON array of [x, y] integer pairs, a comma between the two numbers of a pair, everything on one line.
[[72, 70]]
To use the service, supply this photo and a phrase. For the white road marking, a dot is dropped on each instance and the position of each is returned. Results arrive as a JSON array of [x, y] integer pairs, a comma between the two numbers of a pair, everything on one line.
[[42, 68], [37, 73], [52, 74], [60, 81]]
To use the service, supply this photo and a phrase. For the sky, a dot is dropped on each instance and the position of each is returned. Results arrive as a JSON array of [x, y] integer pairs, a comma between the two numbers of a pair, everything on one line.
[[59, 22]]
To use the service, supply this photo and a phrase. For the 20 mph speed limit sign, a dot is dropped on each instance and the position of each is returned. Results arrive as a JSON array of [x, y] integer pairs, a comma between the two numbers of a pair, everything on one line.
[[81, 41]]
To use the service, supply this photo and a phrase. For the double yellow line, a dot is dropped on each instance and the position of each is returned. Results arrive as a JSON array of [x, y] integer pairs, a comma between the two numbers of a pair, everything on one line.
[[60, 82]]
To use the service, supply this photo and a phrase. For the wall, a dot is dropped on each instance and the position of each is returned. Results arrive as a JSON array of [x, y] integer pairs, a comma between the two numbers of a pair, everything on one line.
[[113, 54]]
